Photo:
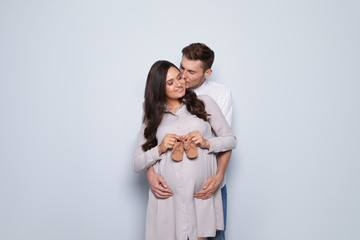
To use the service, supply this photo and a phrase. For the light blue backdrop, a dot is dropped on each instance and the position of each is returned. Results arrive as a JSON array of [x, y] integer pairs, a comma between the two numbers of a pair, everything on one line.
[[72, 76]]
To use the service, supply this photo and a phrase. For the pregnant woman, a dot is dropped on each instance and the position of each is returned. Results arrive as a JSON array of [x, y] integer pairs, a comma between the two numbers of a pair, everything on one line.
[[180, 137]]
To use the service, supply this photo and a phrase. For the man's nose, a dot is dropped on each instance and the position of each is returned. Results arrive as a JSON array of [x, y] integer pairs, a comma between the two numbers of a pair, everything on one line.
[[184, 74], [178, 81]]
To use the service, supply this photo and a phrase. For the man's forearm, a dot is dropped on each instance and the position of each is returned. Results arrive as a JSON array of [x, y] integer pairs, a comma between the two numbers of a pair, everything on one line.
[[150, 171], [223, 161]]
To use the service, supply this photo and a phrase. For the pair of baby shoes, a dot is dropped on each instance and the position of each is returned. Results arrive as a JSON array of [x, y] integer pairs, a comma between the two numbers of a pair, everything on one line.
[[179, 147]]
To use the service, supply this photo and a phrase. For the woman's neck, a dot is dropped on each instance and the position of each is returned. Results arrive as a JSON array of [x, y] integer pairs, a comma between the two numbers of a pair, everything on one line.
[[173, 105]]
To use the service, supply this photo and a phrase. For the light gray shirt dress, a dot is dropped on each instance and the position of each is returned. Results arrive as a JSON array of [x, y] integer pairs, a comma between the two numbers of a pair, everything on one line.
[[182, 216]]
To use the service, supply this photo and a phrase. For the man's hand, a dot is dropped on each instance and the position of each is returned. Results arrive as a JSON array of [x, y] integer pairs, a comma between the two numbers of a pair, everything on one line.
[[158, 185], [210, 187], [214, 182]]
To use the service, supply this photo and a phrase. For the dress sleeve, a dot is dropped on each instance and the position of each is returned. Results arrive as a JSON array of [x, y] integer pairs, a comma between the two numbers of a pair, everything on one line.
[[224, 139], [142, 160]]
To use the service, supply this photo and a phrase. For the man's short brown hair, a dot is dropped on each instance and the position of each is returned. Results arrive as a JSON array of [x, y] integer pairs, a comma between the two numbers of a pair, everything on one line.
[[199, 51]]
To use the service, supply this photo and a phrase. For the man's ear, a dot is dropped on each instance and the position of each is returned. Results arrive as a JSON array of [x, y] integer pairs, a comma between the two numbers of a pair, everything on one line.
[[207, 73]]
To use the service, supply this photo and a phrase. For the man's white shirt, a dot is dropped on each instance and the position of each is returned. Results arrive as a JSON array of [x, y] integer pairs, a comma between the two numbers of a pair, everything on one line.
[[222, 96]]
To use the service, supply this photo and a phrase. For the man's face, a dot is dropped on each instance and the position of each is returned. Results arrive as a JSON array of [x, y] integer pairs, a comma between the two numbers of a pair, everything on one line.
[[192, 72]]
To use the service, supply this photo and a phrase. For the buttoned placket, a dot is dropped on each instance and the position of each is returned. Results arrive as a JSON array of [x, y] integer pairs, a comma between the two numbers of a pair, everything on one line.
[[179, 169]]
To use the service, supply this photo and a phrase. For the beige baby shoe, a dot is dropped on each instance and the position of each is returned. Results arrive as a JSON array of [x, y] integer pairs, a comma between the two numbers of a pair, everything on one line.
[[190, 149], [177, 151]]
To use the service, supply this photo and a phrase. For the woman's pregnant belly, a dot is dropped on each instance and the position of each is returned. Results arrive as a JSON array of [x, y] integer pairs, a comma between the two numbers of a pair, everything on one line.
[[188, 175]]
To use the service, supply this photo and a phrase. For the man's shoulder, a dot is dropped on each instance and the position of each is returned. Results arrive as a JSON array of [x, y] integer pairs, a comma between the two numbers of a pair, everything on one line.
[[211, 87], [216, 90], [217, 85]]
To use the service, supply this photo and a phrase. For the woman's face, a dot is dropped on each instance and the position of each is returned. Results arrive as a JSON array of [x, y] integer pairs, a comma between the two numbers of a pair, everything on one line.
[[175, 84]]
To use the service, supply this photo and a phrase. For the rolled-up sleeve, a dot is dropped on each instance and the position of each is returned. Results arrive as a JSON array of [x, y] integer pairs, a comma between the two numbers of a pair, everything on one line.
[[142, 160]]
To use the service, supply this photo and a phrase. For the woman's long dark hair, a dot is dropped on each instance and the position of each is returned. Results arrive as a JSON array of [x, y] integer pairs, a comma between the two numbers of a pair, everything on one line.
[[154, 103]]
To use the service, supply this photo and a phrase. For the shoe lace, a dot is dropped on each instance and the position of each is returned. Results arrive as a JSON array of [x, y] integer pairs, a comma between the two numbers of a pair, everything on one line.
[[188, 144], [177, 147]]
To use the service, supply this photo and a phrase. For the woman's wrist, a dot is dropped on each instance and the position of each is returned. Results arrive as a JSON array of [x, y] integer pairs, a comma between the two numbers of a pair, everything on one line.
[[206, 144], [159, 150]]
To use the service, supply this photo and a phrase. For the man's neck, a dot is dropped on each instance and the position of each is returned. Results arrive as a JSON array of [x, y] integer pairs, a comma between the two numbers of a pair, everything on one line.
[[200, 84]]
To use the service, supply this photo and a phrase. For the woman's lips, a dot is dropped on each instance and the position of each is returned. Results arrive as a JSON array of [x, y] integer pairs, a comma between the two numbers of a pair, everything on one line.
[[180, 89]]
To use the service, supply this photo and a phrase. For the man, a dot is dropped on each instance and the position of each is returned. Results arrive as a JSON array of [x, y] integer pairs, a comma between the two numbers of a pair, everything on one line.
[[195, 67]]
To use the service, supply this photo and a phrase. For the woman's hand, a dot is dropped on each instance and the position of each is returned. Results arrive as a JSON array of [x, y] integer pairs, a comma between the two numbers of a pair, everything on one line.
[[167, 143], [198, 139]]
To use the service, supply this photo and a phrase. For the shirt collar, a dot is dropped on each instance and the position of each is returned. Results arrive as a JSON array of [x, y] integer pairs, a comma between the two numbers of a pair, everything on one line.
[[168, 110]]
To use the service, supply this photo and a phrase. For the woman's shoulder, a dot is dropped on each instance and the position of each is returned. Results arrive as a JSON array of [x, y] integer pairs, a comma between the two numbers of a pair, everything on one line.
[[206, 98]]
